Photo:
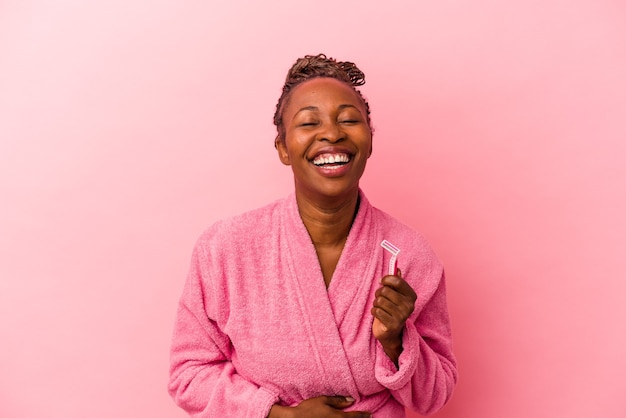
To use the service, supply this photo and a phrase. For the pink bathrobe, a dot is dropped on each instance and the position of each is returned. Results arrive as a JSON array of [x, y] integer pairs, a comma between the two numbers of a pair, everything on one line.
[[256, 325]]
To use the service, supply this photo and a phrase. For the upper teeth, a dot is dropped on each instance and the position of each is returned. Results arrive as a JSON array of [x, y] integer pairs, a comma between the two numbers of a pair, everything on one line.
[[331, 159]]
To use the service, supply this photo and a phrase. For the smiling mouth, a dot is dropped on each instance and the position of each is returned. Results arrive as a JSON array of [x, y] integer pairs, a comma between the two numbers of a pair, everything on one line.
[[331, 160]]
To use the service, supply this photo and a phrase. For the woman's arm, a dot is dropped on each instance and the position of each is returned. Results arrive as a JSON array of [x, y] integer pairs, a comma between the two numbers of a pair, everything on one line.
[[203, 381], [319, 407], [424, 375]]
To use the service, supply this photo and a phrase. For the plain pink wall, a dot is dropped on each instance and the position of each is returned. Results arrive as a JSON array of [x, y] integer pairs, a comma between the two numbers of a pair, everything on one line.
[[128, 126]]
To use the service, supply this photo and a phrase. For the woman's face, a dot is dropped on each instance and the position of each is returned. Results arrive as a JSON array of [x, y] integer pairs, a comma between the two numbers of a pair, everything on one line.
[[327, 138]]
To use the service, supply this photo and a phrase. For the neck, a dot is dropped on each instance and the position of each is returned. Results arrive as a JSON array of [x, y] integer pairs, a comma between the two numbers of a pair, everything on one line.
[[328, 223]]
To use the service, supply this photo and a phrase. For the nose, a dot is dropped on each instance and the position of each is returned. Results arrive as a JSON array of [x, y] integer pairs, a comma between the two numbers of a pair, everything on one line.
[[331, 132]]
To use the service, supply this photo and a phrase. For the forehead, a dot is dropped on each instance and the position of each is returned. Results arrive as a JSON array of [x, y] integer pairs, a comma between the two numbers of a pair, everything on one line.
[[322, 92]]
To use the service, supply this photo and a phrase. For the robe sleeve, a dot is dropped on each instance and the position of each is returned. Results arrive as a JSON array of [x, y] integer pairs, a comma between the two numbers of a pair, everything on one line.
[[427, 371], [203, 380]]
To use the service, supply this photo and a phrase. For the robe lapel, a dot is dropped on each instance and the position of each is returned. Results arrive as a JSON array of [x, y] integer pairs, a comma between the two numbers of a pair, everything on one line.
[[319, 320], [349, 290]]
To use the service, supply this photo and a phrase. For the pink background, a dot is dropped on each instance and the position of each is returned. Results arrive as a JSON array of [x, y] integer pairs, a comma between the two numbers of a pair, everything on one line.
[[128, 126]]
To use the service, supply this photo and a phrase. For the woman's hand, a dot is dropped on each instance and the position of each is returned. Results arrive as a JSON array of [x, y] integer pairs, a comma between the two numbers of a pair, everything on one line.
[[393, 303], [320, 407]]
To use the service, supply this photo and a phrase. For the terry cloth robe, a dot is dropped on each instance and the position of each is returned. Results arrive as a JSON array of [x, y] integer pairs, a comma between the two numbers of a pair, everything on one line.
[[256, 325]]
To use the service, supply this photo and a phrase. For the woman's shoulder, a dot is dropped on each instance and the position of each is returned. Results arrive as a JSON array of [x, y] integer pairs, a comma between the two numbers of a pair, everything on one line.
[[411, 241], [243, 226], [417, 259], [390, 225]]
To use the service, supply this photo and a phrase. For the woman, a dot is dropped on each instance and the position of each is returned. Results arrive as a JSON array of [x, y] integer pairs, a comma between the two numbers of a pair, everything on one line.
[[288, 310]]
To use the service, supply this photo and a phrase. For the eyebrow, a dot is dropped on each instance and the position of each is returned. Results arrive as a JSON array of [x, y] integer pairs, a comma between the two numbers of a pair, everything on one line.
[[315, 108]]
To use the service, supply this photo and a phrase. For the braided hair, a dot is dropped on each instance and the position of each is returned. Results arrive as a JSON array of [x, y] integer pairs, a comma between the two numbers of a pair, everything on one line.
[[315, 66]]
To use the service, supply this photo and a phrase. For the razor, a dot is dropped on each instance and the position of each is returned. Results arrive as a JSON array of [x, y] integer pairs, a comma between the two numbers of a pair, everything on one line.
[[393, 250]]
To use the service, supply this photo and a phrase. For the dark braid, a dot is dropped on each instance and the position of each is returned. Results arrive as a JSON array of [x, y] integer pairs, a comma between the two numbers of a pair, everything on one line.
[[314, 66]]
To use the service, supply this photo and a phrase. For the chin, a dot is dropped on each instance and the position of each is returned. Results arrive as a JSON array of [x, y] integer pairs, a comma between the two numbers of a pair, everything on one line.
[[338, 192]]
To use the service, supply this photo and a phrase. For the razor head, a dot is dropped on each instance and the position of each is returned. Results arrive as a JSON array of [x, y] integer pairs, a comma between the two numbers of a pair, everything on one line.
[[390, 247]]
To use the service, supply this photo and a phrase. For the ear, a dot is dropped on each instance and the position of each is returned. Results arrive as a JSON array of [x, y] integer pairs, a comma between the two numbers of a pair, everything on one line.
[[281, 147], [371, 144]]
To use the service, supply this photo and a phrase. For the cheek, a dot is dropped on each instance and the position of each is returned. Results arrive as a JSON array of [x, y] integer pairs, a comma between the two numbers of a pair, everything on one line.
[[368, 142], [296, 143]]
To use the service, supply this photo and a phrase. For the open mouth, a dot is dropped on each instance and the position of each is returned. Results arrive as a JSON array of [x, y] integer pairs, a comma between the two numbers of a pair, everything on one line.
[[331, 160]]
